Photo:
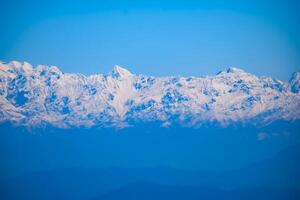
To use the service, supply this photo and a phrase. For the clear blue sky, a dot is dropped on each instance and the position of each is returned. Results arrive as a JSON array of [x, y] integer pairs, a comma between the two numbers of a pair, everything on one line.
[[154, 37]]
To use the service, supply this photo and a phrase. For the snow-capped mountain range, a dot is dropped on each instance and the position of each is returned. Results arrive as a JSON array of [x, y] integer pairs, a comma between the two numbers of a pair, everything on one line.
[[37, 96]]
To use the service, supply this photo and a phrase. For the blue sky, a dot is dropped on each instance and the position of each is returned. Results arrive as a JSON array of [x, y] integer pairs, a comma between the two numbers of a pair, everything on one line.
[[155, 38]]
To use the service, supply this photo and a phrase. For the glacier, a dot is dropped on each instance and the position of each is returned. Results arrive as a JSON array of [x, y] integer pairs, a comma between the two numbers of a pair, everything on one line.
[[41, 96]]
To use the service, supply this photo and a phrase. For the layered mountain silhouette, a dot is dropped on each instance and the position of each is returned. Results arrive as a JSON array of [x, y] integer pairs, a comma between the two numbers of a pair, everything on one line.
[[275, 178]]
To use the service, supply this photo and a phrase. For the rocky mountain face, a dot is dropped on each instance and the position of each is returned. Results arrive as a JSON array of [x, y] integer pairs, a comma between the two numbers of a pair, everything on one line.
[[38, 96]]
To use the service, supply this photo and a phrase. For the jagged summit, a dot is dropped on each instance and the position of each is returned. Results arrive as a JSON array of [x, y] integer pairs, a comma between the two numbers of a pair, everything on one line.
[[33, 96], [120, 72], [234, 70]]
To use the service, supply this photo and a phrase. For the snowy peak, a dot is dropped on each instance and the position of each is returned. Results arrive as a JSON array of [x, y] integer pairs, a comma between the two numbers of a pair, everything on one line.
[[120, 73], [233, 74], [34, 96], [15, 66], [234, 70], [295, 82]]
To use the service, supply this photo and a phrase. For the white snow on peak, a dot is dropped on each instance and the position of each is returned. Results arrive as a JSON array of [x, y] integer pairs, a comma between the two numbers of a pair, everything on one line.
[[34, 96], [119, 72], [55, 69], [234, 70]]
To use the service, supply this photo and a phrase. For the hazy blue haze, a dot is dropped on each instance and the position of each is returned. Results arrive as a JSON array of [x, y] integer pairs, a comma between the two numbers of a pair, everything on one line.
[[148, 161]]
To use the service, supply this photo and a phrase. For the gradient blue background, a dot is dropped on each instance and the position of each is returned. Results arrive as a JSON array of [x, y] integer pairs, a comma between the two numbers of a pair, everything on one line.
[[154, 37]]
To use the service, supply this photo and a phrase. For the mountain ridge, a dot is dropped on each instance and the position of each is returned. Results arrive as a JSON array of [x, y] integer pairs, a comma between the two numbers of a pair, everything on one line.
[[34, 96]]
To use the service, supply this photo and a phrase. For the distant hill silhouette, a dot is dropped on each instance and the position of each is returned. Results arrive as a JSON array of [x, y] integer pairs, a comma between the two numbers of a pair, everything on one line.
[[149, 191], [276, 178]]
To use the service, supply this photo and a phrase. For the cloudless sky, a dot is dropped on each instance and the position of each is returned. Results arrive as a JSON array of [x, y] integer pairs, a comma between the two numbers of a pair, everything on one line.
[[154, 37]]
